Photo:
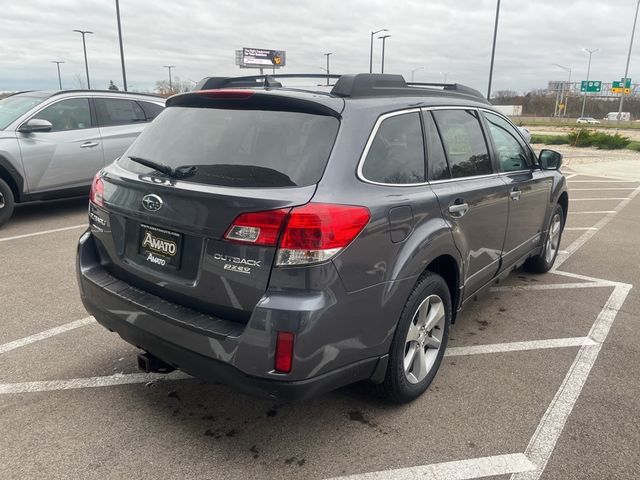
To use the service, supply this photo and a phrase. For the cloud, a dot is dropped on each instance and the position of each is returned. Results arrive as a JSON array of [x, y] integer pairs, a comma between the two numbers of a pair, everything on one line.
[[200, 38]]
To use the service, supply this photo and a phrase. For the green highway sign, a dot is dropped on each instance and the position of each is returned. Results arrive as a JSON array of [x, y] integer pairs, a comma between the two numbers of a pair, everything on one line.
[[623, 86], [592, 86]]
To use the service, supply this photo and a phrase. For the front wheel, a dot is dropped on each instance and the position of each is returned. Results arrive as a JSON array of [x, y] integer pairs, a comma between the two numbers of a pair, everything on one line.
[[7, 202], [543, 262], [420, 340]]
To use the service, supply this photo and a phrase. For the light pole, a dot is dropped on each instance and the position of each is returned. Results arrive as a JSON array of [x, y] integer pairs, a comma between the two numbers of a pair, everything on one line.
[[59, 78], [124, 75], [169, 67], [626, 70], [584, 98], [371, 49], [414, 71], [566, 102], [328, 55], [493, 50], [445, 76], [84, 47], [384, 39]]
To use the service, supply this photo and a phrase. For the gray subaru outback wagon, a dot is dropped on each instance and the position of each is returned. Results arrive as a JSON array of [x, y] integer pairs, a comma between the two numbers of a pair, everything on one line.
[[52, 143], [289, 241]]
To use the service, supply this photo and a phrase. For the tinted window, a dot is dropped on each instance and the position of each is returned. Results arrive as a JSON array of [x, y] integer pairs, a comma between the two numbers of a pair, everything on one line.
[[464, 142], [509, 147], [118, 112], [71, 114], [151, 110], [241, 148], [397, 152], [436, 159]]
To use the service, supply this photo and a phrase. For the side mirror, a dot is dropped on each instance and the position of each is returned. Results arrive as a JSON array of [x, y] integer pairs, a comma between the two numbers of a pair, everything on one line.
[[550, 159], [36, 125]]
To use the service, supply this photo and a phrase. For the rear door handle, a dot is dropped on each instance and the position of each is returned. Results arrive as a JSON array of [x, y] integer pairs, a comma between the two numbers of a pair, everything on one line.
[[89, 145], [458, 209], [515, 194]]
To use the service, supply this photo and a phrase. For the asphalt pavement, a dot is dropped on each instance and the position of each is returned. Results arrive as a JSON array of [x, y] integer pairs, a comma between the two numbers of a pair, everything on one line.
[[540, 379]]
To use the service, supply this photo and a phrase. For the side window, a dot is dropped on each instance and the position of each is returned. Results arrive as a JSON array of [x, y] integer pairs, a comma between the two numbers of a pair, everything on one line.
[[151, 110], [71, 114], [436, 159], [397, 152], [512, 154], [464, 142], [114, 111]]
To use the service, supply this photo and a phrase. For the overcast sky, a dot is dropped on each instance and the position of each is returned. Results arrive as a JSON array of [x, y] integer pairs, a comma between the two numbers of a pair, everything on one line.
[[200, 38]]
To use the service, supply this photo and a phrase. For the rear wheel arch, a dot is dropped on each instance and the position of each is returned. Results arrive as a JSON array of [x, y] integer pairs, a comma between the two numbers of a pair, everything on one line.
[[449, 269]]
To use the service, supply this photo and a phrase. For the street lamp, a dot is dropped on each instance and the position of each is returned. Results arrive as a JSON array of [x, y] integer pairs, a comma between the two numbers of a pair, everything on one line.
[[493, 50], [445, 76], [124, 75], [59, 78], [84, 47], [170, 82], [383, 38], [626, 71], [566, 102], [584, 98], [328, 55], [414, 71], [371, 49]]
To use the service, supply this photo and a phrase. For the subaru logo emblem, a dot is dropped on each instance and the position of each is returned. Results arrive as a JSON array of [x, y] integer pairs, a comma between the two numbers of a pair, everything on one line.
[[152, 202]]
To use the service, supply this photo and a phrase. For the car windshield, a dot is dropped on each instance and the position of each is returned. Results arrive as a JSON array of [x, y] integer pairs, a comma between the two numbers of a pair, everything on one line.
[[239, 148], [13, 107]]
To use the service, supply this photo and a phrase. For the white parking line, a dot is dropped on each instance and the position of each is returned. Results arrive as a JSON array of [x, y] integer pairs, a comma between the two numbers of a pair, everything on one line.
[[91, 382], [552, 286], [45, 334], [44, 232], [597, 199], [599, 189], [518, 346], [603, 181], [550, 428], [579, 228], [572, 212], [457, 470]]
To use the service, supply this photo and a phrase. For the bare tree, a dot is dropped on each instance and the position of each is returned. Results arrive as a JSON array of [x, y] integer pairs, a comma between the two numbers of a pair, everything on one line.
[[177, 86], [81, 82]]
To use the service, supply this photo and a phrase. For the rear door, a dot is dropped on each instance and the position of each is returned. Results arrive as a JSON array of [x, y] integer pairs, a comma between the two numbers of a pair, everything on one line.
[[120, 122], [168, 236], [528, 187], [470, 192], [69, 155]]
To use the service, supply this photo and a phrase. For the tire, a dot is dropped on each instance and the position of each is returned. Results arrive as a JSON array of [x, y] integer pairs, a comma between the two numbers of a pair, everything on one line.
[[431, 298], [7, 202], [543, 262]]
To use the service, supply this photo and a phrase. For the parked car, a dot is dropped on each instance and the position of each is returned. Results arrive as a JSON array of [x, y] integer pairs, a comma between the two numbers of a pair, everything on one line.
[[615, 117], [590, 120], [53, 143], [288, 242]]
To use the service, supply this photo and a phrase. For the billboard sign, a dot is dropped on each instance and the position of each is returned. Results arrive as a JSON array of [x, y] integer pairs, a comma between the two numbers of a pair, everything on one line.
[[262, 58]]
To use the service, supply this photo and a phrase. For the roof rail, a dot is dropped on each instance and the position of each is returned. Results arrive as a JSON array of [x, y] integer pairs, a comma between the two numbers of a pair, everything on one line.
[[267, 81], [118, 92], [454, 87]]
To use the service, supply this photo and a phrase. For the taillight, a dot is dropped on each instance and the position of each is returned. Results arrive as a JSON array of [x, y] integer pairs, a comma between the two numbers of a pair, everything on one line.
[[257, 228], [317, 231], [96, 196], [313, 233], [284, 352]]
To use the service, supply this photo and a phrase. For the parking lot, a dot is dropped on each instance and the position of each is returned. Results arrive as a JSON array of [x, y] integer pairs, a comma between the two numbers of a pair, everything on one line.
[[540, 379]]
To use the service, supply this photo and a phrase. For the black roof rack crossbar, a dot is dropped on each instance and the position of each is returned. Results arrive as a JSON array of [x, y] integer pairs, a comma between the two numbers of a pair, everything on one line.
[[209, 83]]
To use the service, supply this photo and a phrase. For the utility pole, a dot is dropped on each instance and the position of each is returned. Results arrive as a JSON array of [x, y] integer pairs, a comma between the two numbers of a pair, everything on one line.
[[566, 101], [84, 47], [493, 49], [371, 49], [445, 76], [414, 71], [584, 98], [124, 74], [626, 70], [169, 67], [383, 38], [59, 78], [327, 55]]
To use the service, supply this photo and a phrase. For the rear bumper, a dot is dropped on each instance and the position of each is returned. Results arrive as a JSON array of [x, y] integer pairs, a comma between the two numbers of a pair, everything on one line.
[[210, 353]]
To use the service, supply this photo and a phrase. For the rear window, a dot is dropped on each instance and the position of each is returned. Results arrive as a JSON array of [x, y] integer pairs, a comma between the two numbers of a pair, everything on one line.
[[239, 148]]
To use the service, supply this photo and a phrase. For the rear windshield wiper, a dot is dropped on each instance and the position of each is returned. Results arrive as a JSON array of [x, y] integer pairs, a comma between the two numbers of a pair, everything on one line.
[[178, 172]]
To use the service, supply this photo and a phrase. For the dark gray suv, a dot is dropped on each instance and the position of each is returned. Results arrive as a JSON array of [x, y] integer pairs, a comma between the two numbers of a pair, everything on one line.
[[289, 241]]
